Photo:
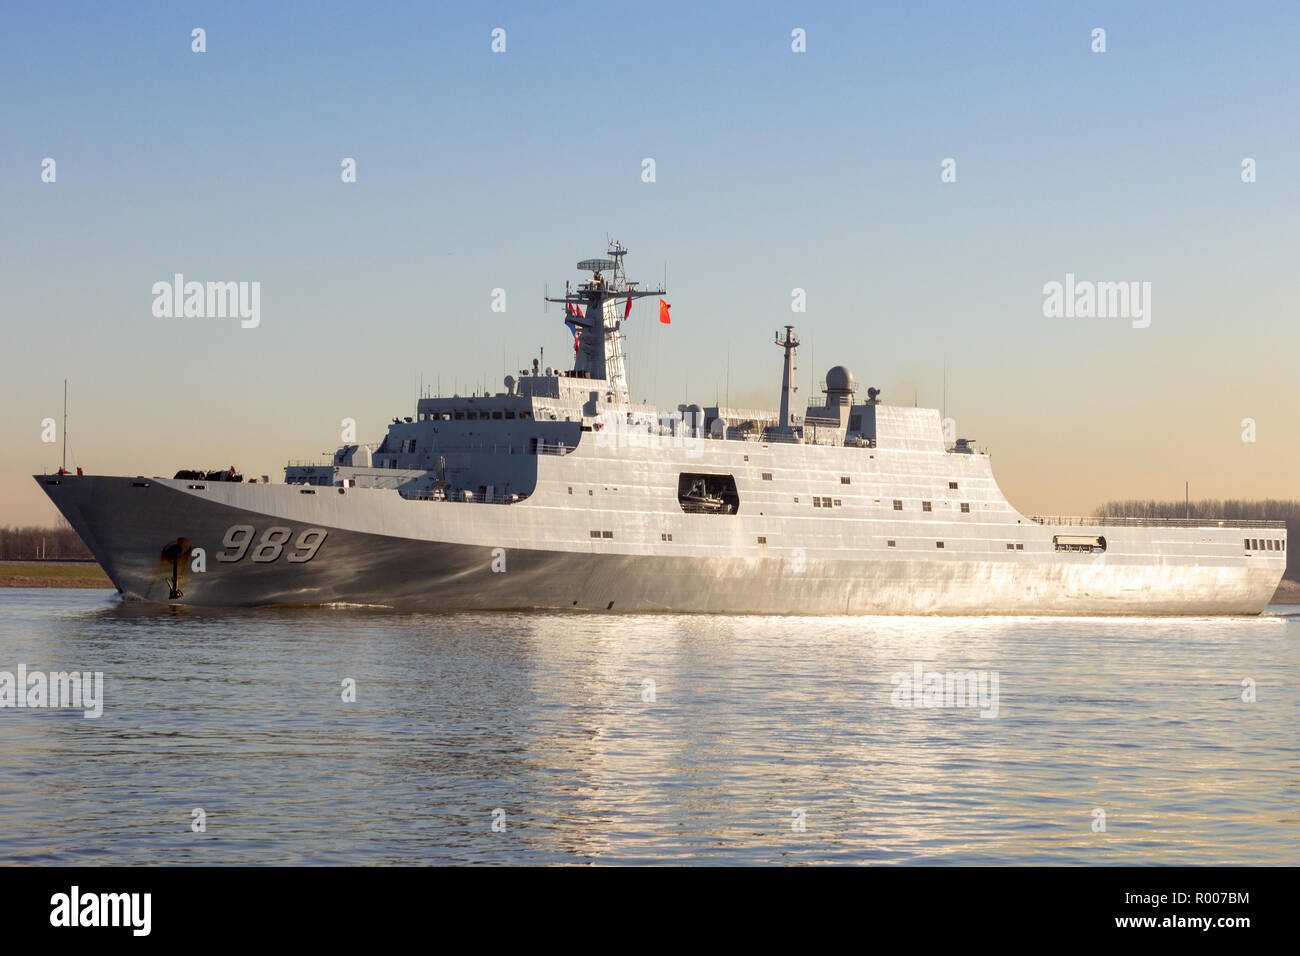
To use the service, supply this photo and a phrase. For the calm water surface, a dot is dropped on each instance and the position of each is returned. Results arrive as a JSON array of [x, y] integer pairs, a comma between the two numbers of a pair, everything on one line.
[[758, 725]]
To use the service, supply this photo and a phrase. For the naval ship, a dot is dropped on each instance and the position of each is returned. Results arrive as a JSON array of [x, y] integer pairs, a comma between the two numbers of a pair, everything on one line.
[[558, 492]]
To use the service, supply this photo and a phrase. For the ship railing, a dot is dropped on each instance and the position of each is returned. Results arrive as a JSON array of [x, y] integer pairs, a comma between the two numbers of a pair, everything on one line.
[[468, 497], [829, 438], [1076, 521], [502, 448]]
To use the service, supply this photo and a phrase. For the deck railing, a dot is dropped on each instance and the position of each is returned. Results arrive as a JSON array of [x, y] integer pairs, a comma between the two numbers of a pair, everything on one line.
[[1074, 521]]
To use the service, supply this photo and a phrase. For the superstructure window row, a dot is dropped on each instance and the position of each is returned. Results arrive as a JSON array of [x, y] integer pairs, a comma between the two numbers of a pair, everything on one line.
[[1265, 544]]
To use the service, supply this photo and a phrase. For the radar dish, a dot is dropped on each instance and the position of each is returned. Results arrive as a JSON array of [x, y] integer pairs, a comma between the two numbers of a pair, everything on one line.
[[596, 265]]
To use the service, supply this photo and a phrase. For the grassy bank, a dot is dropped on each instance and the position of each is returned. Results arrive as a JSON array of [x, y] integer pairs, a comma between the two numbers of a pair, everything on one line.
[[52, 574]]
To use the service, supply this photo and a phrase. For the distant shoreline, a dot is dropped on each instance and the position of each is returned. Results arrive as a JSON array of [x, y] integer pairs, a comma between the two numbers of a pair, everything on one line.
[[54, 573], [72, 573]]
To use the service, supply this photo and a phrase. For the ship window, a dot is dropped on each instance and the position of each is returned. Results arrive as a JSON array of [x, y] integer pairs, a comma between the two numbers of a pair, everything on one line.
[[838, 502], [1270, 544], [1247, 544], [762, 539], [595, 534], [707, 494], [938, 544], [844, 479], [525, 414], [767, 476], [965, 507], [607, 534], [496, 414], [952, 486], [570, 489], [1010, 546], [855, 423], [817, 501], [746, 458], [510, 414], [460, 416], [1020, 547], [898, 505], [796, 499], [891, 543], [925, 506]]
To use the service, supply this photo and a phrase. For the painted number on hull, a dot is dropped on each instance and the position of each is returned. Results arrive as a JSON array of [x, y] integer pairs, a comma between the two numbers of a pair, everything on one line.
[[271, 545]]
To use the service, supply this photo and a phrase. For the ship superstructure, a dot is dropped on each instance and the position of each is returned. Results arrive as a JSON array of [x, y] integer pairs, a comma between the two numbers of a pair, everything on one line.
[[559, 492]]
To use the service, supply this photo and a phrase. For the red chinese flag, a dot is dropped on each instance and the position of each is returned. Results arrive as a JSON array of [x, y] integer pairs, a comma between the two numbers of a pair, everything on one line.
[[664, 317], [627, 311]]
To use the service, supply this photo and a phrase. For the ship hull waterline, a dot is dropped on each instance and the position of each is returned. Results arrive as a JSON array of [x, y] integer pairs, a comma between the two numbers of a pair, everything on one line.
[[144, 532]]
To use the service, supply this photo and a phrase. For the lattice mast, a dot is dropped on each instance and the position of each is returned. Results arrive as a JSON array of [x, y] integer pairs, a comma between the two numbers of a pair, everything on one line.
[[593, 308]]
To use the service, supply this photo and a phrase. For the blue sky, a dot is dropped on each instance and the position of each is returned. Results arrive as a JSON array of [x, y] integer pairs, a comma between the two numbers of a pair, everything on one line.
[[775, 170]]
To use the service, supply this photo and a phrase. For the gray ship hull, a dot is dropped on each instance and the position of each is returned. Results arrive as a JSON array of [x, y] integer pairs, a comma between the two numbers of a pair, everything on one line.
[[155, 537]]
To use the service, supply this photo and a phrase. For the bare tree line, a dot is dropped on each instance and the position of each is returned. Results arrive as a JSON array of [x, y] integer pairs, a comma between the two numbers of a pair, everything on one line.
[[33, 543], [1230, 509]]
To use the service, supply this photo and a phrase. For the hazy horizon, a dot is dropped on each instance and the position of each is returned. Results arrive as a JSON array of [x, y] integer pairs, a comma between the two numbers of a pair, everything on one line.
[[774, 171]]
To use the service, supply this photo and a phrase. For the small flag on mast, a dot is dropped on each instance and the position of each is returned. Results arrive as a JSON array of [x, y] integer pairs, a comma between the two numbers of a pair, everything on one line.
[[627, 311], [664, 317]]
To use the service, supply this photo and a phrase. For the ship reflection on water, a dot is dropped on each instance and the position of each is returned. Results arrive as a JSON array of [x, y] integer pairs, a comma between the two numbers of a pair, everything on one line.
[[648, 739]]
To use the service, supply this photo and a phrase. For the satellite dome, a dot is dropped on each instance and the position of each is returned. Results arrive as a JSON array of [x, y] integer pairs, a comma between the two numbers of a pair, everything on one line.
[[839, 379]]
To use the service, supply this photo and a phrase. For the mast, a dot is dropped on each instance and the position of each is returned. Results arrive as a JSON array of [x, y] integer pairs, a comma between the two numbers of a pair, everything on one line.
[[65, 424], [789, 343], [592, 310]]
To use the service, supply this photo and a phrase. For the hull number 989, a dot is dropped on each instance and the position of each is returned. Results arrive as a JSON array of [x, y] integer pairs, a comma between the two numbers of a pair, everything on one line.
[[239, 542]]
